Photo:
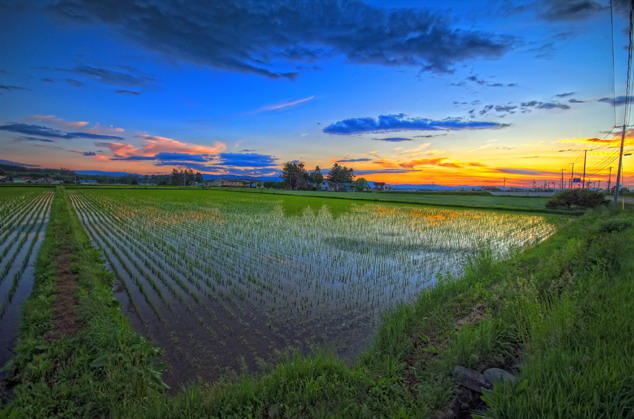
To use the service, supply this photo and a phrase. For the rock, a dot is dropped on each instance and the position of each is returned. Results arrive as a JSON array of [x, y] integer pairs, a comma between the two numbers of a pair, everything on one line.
[[470, 379], [495, 374]]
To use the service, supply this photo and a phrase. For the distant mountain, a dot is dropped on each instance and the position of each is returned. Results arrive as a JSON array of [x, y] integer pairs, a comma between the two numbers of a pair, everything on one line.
[[261, 178]]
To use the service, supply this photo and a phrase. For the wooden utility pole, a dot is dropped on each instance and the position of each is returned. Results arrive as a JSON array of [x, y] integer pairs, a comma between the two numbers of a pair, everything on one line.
[[583, 181], [610, 179], [618, 171], [572, 174], [562, 179]]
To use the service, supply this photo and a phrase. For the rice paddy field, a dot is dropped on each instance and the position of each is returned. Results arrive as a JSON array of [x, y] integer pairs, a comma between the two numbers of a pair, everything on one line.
[[24, 214], [220, 280]]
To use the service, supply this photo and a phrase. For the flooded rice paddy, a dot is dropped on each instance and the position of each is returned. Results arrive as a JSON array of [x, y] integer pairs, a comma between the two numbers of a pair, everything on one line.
[[24, 214], [219, 279]]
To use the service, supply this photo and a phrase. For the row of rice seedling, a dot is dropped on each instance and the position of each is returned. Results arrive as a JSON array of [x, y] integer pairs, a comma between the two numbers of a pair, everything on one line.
[[22, 230], [247, 276]]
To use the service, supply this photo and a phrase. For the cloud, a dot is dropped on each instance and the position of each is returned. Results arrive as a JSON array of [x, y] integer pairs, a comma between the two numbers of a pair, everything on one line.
[[545, 105], [573, 100], [528, 172], [132, 78], [89, 153], [43, 140], [618, 101], [382, 171], [9, 87], [13, 163], [128, 92], [246, 160], [29, 129], [287, 105], [401, 122], [396, 139], [562, 95], [352, 160], [265, 38], [569, 9], [74, 83], [482, 82], [153, 145]]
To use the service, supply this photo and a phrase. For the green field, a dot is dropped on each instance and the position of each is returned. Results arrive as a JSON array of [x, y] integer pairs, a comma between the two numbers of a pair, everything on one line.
[[232, 278]]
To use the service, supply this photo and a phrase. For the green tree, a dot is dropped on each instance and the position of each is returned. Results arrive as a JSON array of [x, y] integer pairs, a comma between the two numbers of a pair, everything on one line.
[[316, 177], [294, 175], [361, 185], [177, 177], [199, 177], [339, 175]]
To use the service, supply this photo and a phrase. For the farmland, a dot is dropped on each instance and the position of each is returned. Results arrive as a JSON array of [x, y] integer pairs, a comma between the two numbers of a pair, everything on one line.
[[221, 279], [23, 218]]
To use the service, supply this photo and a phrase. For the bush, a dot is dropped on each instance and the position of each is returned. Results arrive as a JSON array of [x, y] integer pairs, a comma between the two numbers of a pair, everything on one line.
[[577, 198], [614, 226]]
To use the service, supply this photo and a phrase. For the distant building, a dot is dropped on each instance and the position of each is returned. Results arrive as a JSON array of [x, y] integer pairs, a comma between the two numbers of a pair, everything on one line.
[[231, 183], [21, 180], [87, 182], [380, 186]]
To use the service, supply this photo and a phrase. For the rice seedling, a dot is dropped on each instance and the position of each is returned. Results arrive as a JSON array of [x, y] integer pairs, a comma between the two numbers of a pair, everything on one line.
[[227, 278]]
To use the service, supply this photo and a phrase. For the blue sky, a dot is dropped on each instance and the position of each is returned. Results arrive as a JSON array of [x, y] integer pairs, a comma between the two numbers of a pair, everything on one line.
[[402, 91]]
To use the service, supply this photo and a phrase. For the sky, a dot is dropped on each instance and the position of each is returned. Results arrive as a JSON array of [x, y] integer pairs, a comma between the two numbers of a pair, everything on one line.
[[485, 92]]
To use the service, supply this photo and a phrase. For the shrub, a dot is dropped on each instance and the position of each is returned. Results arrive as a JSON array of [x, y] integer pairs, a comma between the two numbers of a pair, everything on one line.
[[615, 225], [577, 198]]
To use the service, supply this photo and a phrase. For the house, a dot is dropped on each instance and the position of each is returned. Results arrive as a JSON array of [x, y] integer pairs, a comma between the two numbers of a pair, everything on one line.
[[20, 180], [325, 186], [226, 183], [4, 179], [380, 186], [56, 182], [87, 182]]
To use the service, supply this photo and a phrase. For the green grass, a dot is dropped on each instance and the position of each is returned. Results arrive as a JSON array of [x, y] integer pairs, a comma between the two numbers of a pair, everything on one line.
[[103, 367], [562, 310], [480, 200]]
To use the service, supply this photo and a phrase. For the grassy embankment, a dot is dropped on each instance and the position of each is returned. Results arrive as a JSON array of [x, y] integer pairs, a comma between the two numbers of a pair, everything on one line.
[[562, 309], [96, 367]]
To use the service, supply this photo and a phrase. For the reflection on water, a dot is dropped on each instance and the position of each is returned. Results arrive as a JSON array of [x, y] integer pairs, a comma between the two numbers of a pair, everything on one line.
[[220, 279]]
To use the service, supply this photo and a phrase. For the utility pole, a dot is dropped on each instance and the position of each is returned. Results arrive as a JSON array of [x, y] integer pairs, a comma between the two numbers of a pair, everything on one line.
[[618, 171], [504, 187], [610, 179], [562, 179], [572, 174], [534, 188], [583, 182]]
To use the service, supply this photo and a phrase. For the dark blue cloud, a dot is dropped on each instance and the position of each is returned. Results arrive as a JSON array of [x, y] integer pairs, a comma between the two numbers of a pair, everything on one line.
[[9, 87], [183, 156], [113, 77], [135, 158], [14, 163], [528, 172], [128, 92], [400, 122], [274, 36], [569, 9], [29, 129], [545, 105], [89, 153], [618, 101], [395, 139], [352, 160], [74, 83], [43, 140], [246, 160]]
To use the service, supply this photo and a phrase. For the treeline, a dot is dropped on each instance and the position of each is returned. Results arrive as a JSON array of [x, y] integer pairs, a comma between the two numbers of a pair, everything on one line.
[[65, 175], [339, 178], [185, 177]]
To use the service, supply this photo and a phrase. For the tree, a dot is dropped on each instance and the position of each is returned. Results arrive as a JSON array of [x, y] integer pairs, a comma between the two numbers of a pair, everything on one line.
[[316, 177], [340, 174], [361, 185], [199, 177], [176, 177], [294, 175]]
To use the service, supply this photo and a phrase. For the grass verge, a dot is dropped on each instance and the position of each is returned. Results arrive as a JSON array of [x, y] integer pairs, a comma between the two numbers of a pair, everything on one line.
[[98, 369]]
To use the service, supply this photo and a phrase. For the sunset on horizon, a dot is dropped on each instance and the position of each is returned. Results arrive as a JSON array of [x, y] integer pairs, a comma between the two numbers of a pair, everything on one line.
[[403, 92]]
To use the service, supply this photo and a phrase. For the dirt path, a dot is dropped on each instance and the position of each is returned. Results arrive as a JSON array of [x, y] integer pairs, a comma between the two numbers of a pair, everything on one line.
[[65, 318]]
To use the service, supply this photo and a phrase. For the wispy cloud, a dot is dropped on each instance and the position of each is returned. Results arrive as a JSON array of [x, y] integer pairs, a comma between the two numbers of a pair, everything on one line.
[[352, 160], [393, 139], [287, 105], [10, 87], [128, 92]]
